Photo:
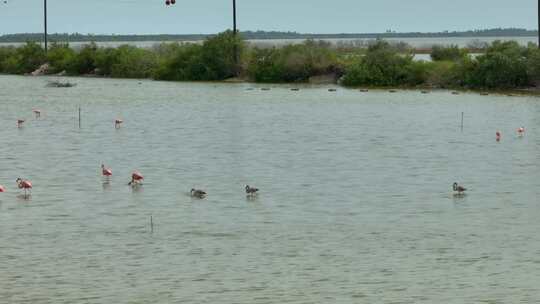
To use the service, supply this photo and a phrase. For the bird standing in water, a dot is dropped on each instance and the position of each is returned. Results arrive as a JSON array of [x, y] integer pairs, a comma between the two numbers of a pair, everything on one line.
[[197, 193], [459, 189], [136, 179], [24, 184], [251, 191], [106, 171]]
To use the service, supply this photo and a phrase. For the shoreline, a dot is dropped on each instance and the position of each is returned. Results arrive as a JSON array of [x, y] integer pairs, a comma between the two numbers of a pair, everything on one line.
[[526, 92]]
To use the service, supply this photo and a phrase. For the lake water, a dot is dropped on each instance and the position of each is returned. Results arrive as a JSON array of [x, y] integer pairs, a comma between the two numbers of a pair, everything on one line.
[[418, 42], [355, 205]]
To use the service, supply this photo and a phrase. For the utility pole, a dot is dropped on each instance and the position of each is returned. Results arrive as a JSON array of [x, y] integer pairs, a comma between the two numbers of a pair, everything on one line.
[[235, 34], [45, 19]]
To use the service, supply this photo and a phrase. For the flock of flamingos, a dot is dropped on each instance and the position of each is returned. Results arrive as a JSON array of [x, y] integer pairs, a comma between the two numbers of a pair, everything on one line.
[[137, 177]]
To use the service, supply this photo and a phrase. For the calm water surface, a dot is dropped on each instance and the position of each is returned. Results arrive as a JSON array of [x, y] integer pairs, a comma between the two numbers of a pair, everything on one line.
[[355, 205], [417, 42]]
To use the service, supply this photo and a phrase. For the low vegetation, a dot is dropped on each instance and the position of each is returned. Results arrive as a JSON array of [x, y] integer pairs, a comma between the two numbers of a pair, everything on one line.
[[502, 65]]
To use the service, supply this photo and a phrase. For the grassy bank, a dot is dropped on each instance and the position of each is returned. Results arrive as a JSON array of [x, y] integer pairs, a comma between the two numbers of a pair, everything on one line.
[[501, 66]]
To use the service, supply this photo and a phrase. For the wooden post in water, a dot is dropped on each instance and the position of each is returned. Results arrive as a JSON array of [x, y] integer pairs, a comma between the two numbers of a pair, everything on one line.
[[151, 224], [79, 117], [462, 114]]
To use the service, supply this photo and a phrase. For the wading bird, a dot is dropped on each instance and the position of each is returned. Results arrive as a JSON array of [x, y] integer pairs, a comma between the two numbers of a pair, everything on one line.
[[197, 193], [251, 191], [24, 184], [118, 123], [459, 189], [106, 171], [136, 179], [2, 189]]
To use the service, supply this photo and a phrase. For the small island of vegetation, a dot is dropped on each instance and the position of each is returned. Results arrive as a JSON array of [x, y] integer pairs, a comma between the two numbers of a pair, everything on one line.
[[500, 65]]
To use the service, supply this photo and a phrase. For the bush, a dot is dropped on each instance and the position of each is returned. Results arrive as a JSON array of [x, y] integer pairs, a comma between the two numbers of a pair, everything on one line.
[[5, 54], [60, 56], [132, 62], [292, 63], [84, 61], [213, 60], [503, 66], [451, 53], [383, 65], [24, 59]]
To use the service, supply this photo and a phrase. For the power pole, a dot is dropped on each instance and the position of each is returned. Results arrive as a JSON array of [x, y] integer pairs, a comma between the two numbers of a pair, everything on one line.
[[235, 50], [45, 19]]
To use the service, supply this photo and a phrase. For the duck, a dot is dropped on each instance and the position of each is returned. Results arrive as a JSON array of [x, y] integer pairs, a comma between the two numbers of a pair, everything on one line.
[[459, 189], [197, 193], [251, 191]]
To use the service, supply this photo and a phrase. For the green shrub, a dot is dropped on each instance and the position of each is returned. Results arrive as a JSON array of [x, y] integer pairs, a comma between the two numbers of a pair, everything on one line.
[[383, 65], [84, 61], [132, 62], [450, 53], [24, 59], [292, 63], [5, 54], [60, 56]]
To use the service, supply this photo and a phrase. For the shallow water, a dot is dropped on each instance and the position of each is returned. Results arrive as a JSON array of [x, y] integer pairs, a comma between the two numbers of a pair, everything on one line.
[[355, 205]]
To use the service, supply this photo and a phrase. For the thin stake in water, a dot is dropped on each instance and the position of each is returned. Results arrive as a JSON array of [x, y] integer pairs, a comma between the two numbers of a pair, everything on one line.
[[79, 117], [151, 224], [462, 114]]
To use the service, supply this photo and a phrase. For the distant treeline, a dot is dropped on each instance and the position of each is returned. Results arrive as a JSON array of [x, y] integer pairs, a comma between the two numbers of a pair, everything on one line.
[[502, 65], [254, 35]]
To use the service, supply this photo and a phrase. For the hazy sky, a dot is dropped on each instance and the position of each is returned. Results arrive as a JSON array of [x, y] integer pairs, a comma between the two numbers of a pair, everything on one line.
[[307, 16]]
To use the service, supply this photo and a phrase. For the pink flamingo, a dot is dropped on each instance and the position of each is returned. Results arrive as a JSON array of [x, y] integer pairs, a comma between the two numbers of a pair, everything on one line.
[[136, 179], [37, 112], [20, 123], [521, 131], [2, 189], [117, 123], [498, 136], [106, 171], [24, 184]]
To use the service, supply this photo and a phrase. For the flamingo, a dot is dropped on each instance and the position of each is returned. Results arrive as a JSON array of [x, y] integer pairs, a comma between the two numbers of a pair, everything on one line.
[[24, 184], [37, 112], [459, 189], [521, 131], [251, 191], [136, 179], [2, 189], [106, 171], [498, 136], [197, 193], [20, 123], [117, 123]]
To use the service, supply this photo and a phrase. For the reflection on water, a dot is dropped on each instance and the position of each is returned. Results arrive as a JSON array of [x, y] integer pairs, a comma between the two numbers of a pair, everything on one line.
[[356, 199]]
